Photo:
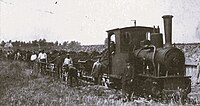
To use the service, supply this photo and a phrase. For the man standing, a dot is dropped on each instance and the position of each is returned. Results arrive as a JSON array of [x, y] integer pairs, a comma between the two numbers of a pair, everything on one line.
[[127, 79], [67, 61], [42, 57], [112, 47], [72, 74], [96, 71], [33, 59], [33, 63], [58, 61]]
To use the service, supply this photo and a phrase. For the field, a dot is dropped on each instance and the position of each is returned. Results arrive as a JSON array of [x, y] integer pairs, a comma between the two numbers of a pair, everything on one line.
[[21, 87]]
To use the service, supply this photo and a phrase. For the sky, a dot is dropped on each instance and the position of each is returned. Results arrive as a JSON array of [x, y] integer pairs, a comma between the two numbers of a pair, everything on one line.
[[86, 21]]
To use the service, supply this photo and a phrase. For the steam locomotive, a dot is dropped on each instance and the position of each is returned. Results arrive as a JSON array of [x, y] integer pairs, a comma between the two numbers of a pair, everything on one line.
[[159, 68]]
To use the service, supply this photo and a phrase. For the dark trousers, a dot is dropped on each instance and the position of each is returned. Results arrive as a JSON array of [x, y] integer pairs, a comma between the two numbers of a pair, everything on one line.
[[59, 71], [95, 80], [34, 67], [31, 64], [72, 74], [70, 79], [64, 71], [43, 66], [127, 89]]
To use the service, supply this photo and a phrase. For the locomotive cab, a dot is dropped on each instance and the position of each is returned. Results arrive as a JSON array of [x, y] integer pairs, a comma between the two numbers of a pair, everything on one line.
[[126, 41]]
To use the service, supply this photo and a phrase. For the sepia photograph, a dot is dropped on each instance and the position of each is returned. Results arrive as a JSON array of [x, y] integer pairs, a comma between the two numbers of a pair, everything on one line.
[[99, 52]]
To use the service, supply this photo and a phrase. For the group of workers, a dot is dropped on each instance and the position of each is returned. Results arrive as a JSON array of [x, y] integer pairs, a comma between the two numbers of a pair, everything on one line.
[[62, 64]]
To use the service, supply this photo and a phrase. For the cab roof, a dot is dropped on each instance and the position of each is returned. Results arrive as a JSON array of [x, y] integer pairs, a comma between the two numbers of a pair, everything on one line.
[[126, 28]]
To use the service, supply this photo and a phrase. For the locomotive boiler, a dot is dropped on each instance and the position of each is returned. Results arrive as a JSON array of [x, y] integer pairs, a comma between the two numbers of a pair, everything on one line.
[[159, 69]]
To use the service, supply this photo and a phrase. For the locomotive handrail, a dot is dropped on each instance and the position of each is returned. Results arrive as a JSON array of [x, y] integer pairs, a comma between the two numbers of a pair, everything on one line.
[[153, 56]]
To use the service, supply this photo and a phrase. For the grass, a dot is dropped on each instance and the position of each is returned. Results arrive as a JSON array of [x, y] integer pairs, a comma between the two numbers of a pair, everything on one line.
[[19, 87]]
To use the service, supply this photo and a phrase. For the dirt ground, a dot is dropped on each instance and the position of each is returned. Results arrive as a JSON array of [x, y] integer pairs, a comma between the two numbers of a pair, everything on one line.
[[19, 86]]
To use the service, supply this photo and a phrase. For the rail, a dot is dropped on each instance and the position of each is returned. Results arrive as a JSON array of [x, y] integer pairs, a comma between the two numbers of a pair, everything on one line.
[[191, 70]]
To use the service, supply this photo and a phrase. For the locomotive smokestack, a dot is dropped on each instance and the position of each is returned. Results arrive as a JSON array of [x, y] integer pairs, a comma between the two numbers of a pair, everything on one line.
[[168, 30], [134, 22]]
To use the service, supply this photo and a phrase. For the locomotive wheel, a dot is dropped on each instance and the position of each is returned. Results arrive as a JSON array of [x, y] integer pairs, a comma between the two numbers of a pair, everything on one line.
[[179, 98], [182, 100], [151, 88], [176, 98], [164, 98], [156, 91]]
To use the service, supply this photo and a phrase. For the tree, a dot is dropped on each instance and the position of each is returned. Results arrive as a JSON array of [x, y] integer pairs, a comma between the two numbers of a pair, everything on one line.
[[65, 43], [74, 46], [16, 43], [3, 43], [35, 43], [42, 42], [56, 43]]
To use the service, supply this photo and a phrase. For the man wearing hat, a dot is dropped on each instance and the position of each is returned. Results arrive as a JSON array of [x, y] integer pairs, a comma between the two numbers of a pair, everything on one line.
[[97, 71], [127, 79], [58, 61], [67, 61]]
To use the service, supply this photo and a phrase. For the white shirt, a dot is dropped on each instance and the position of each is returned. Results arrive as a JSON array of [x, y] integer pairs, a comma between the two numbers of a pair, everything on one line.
[[33, 57], [42, 56], [96, 64], [18, 54], [67, 61]]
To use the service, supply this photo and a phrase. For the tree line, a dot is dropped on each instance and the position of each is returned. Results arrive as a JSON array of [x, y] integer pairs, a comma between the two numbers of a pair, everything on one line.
[[42, 43]]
